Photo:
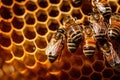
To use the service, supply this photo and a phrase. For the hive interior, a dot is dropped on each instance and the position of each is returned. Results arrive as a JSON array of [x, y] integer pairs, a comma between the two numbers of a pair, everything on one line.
[[26, 27]]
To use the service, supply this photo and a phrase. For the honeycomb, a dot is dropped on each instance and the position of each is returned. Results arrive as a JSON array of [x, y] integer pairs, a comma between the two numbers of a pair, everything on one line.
[[26, 27]]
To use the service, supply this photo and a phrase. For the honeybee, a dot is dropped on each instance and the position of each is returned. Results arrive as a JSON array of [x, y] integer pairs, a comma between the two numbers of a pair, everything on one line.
[[103, 7], [74, 33], [89, 47], [56, 45]]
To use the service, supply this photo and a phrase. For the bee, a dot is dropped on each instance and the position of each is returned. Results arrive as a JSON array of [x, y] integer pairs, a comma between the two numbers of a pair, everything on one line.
[[103, 7], [56, 45], [89, 47], [74, 33]]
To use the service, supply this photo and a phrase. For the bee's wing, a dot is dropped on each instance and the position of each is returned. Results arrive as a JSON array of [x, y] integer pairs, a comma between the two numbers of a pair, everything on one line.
[[53, 47]]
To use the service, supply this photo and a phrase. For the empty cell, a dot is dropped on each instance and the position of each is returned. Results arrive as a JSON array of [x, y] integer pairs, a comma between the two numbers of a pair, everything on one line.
[[51, 77], [19, 10], [29, 46], [54, 1], [107, 73], [30, 19], [7, 2], [31, 76], [66, 65], [31, 6], [42, 71], [5, 40], [65, 6], [18, 23], [53, 25], [41, 15], [41, 42], [41, 56], [96, 76], [77, 14], [29, 60], [17, 36], [64, 76], [113, 5], [98, 66], [43, 3], [18, 50], [53, 11], [86, 70], [5, 26], [6, 13], [41, 29], [29, 32], [74, 73]]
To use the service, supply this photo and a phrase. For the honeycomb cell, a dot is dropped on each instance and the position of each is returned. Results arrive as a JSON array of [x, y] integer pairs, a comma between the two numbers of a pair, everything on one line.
[[41, 29], [107, 73], [40, 56], [43, 3], [18, 65], [42, 72], [74, 73], [66, 64], [113, 6], [51, 77], [115, 77], [84, 78], [78, 4], [65, 6], [77, 14], [5, 26], [54, 1], [53, 25], [86, 70], [41, 16], [20, 77], [98, 66], [20, 0], [7, 2], [29, 46], [31, 76], [77, 61], [86, 8], [29, 60], [29, 33], [18, 23], [53, 11], [6, 13], [30, 19], [18, 50], [96, 76], [41, 42], [19, 10], [64, 76], [5, 40], [31, 6], [17, 36]]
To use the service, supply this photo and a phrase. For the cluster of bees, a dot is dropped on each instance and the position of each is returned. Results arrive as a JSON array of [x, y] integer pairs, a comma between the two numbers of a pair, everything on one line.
[[103, 29]]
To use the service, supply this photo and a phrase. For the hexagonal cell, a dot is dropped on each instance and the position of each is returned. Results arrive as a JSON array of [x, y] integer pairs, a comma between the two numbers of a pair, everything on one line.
[[17, 36], [53, 11], [107, 73], [5, 26], [41, 29], [65, 6], [86, 70], [76, 3], [29, 33], [51, 77], [53, 24], [6, 13], [98, 66], [113, 6], [96, 76], [18, 23], [64, 76], [41, 42], [66, 65], [30, 19], [54, 1], [77, 14], [17, 50], [29, 46], [29, 60], [86, 8], [31, 6], [41, 15], [74, 73], [5, 40], [84, 78], [19, 10], [7, 2], [41, 56], [43, 3]]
